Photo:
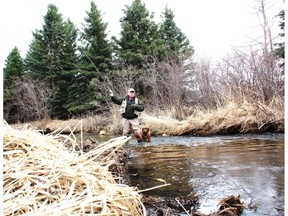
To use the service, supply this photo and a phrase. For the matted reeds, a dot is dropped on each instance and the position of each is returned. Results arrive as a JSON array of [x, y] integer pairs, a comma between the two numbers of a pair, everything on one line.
[[41, 177]]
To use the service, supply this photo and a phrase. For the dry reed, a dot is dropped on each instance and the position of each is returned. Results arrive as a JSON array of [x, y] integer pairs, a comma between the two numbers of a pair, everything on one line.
[[41, 177], [233, 118]]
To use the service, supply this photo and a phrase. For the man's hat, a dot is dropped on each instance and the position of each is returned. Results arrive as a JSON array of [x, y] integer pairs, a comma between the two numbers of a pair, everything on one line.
[[131, 90]]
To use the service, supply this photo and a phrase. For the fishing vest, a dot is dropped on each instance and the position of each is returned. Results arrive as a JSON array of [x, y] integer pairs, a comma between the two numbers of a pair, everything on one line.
[[124, 104]]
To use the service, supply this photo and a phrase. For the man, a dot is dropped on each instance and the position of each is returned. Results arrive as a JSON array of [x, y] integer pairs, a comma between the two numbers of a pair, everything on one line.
[[130, 110]]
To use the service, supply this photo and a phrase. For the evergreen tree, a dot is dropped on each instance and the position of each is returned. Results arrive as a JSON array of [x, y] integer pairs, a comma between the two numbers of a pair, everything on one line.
[[45, 53], [65, 79], [80, 95], [96, 50], [280, 50], [95, 61], [52, 58], [139, 39], [14, 67], [35, 61], [75, 91], [70, 58], [176, 43]]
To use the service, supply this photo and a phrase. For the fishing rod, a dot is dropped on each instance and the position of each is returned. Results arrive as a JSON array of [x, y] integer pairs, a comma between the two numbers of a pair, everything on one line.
[[107, 84]]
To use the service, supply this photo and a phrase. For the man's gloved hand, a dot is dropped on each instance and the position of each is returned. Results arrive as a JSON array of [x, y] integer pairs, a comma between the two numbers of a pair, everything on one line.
[[133, 106], [111, 93]]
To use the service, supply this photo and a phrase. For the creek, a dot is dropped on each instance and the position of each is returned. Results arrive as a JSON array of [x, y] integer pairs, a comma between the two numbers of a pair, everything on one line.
[[214, 168]]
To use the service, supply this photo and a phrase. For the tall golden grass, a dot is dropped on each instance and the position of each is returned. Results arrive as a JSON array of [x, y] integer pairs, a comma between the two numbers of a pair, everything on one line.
[[41, 177], [233, 117]]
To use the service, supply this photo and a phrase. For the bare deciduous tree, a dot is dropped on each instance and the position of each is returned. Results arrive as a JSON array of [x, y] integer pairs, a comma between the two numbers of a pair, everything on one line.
[[165, 81], [250, 73], [31, 99]]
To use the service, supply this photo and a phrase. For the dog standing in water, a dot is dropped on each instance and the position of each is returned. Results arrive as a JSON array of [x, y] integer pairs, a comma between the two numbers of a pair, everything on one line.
[[146, 134]]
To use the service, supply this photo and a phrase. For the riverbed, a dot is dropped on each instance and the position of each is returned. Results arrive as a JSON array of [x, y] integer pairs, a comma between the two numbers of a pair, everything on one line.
[[214, 168]]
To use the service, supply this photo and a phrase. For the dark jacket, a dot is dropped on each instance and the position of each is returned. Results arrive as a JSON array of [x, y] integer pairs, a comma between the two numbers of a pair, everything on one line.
[[128, 112]]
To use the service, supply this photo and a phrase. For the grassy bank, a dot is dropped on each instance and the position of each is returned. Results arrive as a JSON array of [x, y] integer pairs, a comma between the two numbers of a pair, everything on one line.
[[41, 176], [233, 118]]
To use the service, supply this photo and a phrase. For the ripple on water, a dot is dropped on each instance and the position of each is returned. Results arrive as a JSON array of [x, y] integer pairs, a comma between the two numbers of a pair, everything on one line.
[[216, 167]]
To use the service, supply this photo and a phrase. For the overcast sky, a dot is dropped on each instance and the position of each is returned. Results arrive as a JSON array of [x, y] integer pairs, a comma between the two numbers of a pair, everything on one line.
[[212, 26]]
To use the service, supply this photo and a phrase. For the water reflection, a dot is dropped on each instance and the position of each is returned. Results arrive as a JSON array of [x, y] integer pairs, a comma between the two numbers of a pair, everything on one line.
[[215, 167]]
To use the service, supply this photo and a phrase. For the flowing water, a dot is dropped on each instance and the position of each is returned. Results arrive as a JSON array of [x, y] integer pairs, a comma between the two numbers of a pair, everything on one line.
[[214, 168]]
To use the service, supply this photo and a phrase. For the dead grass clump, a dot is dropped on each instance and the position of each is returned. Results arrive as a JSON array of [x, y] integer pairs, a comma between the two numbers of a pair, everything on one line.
[[41, 177], [234, 118], [88, 124], [115, 124], [160, 124]]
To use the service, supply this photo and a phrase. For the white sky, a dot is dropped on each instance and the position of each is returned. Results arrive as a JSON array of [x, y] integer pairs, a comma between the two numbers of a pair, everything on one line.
[[212, 26]]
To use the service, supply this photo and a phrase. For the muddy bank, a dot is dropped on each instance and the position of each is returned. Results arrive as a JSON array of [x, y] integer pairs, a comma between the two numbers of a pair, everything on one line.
[[156, 206]]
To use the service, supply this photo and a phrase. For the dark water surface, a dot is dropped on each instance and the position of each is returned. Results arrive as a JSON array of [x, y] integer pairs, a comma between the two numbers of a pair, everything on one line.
[[215, 167]]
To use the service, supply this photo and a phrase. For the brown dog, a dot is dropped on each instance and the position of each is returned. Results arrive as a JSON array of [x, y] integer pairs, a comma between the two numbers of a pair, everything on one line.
[[146, 134]]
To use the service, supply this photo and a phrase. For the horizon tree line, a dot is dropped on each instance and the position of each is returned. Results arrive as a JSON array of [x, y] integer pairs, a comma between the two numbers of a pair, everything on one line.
[[67, 72]]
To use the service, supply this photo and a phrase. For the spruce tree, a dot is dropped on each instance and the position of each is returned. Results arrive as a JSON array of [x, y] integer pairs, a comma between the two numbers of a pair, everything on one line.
[[176, 43], [280, 47], [95, 60], [35, 61], [44, 56], [96, 50], [14, 67], [61, 106], [139, 39], [70, 58], [52, 58]]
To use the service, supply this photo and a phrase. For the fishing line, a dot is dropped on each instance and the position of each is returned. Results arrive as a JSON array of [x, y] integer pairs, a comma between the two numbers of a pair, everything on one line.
[[107, 84]]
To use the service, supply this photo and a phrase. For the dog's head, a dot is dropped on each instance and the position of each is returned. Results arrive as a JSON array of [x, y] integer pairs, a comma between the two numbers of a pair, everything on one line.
[[145, 131]]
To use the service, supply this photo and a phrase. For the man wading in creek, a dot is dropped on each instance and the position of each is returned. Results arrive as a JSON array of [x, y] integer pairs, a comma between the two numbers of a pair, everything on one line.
[[130, 110]]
